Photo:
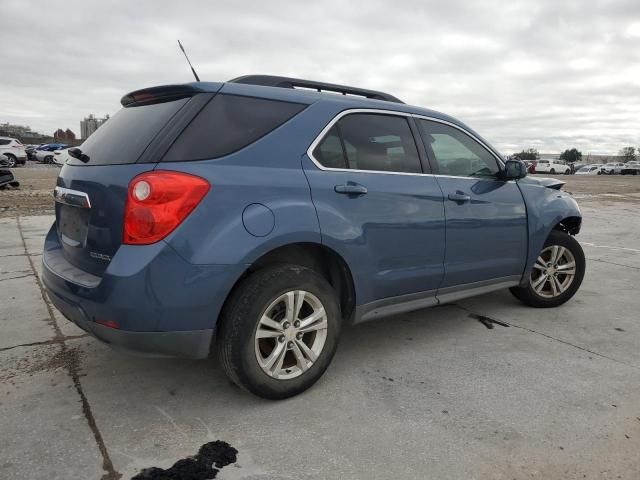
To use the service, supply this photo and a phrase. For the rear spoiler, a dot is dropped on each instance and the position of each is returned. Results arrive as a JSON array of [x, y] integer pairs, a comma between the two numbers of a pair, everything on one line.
[[165, 93]]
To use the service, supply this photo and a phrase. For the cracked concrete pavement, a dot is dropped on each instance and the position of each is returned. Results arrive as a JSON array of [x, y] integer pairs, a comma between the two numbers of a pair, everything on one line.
[[432, 394]]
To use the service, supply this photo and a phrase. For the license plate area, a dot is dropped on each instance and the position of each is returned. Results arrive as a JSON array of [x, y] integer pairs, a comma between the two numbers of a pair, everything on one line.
[[73, 225]]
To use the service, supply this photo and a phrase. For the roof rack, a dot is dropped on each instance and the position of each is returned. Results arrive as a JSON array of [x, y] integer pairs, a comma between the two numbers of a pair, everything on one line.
[[287, 82]]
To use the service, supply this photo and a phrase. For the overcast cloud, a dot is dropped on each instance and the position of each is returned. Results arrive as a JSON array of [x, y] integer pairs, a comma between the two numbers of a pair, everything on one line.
[[549, 74]]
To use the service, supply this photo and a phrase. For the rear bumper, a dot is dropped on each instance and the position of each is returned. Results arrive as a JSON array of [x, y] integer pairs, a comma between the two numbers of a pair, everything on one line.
[[186, 344], [162, 305]]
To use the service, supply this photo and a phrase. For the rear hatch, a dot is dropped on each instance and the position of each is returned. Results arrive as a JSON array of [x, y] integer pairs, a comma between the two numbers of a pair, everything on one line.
[[92, 186]]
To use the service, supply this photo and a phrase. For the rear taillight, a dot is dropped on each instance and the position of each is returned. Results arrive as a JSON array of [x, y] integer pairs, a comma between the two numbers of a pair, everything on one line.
[[157, 202]]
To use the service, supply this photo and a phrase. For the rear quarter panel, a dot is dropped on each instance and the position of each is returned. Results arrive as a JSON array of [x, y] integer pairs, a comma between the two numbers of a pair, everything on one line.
[[267, 172]]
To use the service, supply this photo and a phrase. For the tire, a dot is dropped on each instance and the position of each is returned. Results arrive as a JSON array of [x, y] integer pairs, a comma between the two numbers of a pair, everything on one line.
[[259, 296], [48, 159], [567, 172], [12, 160], [552, 171], [541, 297]]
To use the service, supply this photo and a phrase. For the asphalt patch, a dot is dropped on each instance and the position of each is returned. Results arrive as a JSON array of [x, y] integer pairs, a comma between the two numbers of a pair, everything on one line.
[[205, 465], [487, 321]]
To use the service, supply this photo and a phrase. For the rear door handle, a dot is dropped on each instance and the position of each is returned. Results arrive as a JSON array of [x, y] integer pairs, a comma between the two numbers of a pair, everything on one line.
[[459, 197], [351, 189]]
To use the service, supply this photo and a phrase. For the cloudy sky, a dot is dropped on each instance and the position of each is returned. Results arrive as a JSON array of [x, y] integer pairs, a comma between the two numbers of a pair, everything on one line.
[[549, 74]]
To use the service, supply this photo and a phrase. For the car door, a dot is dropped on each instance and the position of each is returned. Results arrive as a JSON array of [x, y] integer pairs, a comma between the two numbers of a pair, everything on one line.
[[376, 207], [486, 219]]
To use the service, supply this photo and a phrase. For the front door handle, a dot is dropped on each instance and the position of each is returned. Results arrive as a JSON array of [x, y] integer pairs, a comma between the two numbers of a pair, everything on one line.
[[351, 189], [459, 197]]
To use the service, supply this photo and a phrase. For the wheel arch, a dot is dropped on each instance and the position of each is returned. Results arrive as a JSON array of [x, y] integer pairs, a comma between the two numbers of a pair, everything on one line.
[[317, 257], [570, 225]]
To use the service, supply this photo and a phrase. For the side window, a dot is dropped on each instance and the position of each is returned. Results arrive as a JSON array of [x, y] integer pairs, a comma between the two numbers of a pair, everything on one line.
[[375, 142], [456, 153], [227, 124], [329, 151], [4, 142]]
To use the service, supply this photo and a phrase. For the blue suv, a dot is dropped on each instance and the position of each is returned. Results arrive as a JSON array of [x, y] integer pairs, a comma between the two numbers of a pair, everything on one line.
[[257, 218]]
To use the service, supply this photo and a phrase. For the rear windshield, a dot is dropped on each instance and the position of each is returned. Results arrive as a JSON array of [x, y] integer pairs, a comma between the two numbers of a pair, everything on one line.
[[125, 136], [227, 124]]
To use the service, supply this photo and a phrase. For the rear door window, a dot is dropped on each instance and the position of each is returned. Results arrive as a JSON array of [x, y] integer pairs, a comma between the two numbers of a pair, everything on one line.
[[371, 142], [227, 124], [126, 135]]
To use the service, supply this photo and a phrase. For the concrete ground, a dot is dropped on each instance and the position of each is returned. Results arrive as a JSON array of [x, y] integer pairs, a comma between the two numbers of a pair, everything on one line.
[[434, 394]]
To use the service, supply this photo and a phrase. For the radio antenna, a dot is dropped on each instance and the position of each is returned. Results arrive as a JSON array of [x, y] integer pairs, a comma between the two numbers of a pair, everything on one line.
[[188, 61]]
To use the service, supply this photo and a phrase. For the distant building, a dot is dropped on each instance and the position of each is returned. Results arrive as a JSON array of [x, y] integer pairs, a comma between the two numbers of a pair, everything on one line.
[[90, 124], [64, 136]]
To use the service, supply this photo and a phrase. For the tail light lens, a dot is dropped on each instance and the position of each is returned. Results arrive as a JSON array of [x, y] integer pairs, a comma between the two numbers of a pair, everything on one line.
[[157, 202]]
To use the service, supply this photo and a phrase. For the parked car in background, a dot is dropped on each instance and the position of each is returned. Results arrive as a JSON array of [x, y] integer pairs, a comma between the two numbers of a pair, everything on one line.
[[31, 150], [13, 150], [44, 153], [61, 156], [553, 167], [612, 168], [276, 216], [531, 166], [575, 166], [630, 168], [589, 170]]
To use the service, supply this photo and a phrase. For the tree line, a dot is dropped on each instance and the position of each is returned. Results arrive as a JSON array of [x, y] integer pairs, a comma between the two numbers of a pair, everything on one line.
[[574, 155]]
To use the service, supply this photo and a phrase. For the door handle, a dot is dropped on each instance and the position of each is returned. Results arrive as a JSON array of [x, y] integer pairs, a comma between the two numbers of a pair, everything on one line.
[[459, 197], [351, 189]]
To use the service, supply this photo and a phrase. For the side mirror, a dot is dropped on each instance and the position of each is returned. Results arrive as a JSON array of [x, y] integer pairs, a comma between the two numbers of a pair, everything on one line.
[[513, 170]]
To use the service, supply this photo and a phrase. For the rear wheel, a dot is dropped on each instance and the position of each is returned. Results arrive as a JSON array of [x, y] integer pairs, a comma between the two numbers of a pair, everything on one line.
[[279, 331], [556, 274], [552, 171]]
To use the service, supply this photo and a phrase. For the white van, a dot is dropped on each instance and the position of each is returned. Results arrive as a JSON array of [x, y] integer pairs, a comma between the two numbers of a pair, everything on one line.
[[552, 167]]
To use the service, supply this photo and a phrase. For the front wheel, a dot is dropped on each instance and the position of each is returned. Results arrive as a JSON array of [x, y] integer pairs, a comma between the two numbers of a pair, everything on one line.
[[279, 331], [11, 160], [556, 274], [552, 171]]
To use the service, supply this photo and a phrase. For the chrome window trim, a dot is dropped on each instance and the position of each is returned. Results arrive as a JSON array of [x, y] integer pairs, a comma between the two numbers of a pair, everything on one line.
[[70, 197], [344, 113]]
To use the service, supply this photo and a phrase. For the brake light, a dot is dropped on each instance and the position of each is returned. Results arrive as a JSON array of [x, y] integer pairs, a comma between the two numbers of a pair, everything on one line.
[[157, 202]]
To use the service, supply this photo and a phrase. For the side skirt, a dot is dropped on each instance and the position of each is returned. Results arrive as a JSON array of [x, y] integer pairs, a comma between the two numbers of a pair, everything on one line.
[[416, 301]]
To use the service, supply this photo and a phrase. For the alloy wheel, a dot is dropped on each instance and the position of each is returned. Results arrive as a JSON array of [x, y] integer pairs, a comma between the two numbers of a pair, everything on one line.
[[291, 334], [554, 271]]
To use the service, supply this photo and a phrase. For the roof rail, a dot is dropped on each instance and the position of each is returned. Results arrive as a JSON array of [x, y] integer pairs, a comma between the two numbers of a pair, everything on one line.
[[287, 82]]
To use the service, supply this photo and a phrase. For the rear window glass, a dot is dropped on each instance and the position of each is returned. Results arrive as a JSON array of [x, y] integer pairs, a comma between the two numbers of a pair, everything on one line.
[[4, 142], [125, 136], [227, 124]]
